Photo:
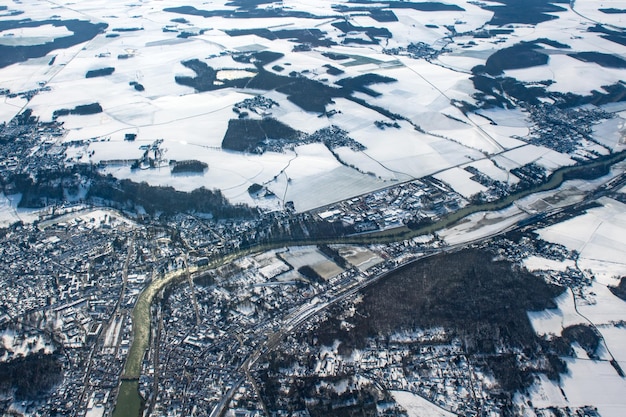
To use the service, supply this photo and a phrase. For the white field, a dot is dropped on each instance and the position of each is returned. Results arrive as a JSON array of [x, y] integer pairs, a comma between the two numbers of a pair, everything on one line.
[[600, 238], [544, 157], [553, 321], [460, 180], [360, 257], [482, 225], [310, 256], [417, 406], [192, 125], [487, 167]]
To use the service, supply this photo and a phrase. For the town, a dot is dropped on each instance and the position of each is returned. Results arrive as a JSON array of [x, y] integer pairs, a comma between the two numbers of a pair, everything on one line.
[[73, 274]]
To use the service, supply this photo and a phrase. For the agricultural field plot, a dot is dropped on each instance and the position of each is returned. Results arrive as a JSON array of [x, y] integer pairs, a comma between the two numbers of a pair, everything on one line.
[[180, 73], [360, 257], [310, 256]]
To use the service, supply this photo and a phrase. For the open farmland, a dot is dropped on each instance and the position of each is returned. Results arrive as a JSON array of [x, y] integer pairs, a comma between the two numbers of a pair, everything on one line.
[[184, 75]]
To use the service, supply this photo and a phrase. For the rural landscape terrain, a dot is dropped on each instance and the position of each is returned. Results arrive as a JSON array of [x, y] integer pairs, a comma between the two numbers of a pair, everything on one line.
[[329, 208]]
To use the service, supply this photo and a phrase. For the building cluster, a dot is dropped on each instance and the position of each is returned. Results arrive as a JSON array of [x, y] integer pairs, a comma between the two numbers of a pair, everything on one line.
[[568, 131], [416, 203]]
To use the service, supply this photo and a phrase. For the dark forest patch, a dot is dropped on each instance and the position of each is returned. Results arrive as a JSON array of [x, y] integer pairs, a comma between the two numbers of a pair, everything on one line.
[[205, 77], [31, 377], [383, 16], [335, 57], [81, 31], [479, 301], [552, 43], [524, 55], [612, 10], [101, 72], [482, 301], [428, 6], [584, 335], [615, 36], [370, 31], [604, 60], [361, 83], [189, 166], [620, 290], [529, 12], [82, 110], [246, 135], [333, 70], [244, 11], [127, 29]]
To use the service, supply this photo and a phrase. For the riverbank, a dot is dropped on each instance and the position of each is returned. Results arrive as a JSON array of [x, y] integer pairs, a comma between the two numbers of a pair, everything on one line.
[[141, 312]]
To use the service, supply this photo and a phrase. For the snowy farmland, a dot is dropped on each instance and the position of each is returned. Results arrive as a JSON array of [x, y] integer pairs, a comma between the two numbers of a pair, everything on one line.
[[599, 238], [412, 119]]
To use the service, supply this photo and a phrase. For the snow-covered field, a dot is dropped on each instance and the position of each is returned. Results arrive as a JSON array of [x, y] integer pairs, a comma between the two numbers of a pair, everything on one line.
[[141, 43], [599, 236], [417, 406], [310, 256]]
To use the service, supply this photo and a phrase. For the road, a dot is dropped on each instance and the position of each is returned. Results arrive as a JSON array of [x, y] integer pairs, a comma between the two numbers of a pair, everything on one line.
[[338, 293], [141, 313]]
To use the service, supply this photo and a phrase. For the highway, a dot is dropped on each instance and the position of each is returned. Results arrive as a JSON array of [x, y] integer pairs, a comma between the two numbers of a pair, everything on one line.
[[141, 313], [344, 289]]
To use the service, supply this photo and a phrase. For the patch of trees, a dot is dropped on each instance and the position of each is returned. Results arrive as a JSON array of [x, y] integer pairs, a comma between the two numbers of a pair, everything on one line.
[[482, 302], [612, 10], [611, 35], [334, 255], [81, 31], [37, 192], [166, 200], [529, 12], [102, 72], [249, 11], [372, 32], [362, 82], [620, 289], [383, 16], [30, 377], [82, 110], [137, 86], [254, 188], [52, 185], [126, 29], [585, 336], [189, 166], [604, 60], [205, 77], [314, 96], [310, 274], [522, 55], [333, 70], [247, 135], [335, 57]]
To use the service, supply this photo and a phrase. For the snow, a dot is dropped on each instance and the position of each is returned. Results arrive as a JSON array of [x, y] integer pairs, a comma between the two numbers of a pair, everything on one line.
[[417, 406], [8, 215], [33, 35], [461, 181], [611, 133], [553, 321], [594, 383], [599, 236], [481, 225], [537, 263], [540, 155]]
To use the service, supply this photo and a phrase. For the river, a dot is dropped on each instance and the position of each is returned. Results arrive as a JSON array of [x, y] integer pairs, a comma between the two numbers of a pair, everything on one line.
[[129, 402]]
